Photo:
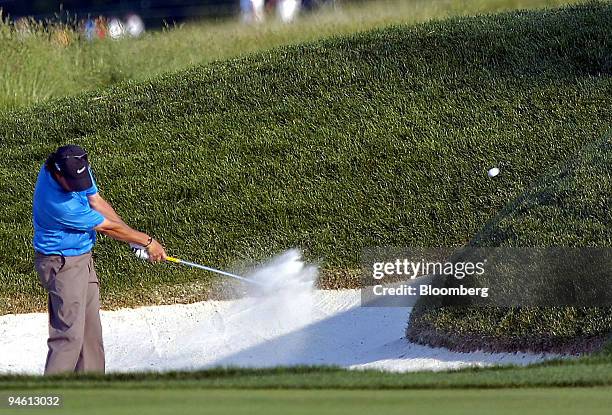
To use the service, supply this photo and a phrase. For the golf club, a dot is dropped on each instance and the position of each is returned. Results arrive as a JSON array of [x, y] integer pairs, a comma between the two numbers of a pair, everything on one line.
[[141, 253], [216, 271]]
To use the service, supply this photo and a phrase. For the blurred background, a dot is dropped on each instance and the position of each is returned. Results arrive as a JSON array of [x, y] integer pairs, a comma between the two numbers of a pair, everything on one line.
[[156, 13]]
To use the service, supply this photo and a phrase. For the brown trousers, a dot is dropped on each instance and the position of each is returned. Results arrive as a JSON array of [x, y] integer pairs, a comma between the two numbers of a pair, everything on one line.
[[75, 331]]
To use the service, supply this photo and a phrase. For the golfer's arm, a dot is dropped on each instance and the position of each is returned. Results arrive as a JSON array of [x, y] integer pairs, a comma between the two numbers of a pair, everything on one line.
[[97, 203], [122, 232]]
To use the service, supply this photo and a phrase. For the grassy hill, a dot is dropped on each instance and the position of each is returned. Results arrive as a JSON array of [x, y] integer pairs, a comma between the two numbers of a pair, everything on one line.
[[569, 207], [54, 62], [382, 138]]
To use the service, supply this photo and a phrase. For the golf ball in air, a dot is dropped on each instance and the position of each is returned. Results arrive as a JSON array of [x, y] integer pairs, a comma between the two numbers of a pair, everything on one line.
[[493, 172]]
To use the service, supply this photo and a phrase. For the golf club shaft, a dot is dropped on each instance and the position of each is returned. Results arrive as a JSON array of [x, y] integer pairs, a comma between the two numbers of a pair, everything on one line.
[[216, 271]]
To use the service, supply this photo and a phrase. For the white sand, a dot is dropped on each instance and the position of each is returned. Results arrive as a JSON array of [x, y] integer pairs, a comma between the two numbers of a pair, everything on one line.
[[295, 325], [220, 333]]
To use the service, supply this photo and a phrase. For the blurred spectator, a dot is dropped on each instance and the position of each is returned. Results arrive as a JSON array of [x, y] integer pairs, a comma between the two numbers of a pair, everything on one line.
[[271, 5], [252, 10], [101, 27], [288, 9], [89, 29], [134, 25], [116, 30]]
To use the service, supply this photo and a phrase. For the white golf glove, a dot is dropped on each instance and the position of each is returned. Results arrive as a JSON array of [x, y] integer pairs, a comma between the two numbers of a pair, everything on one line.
[[139, 251]]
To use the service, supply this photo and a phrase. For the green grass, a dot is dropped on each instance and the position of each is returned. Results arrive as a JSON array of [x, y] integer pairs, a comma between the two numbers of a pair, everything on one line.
[[568, 207], [588, 371], [549, 387], [535, 401], [332, 146], [39, 67]]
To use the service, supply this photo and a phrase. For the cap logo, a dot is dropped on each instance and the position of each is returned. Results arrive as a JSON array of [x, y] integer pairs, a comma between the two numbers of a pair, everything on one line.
[[81, 170]]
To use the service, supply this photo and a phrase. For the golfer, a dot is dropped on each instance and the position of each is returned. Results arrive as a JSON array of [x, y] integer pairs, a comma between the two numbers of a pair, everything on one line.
[[67, 212]]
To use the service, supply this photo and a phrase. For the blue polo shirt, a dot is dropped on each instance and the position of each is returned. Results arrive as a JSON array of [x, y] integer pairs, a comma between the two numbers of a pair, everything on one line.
[[63, 221]]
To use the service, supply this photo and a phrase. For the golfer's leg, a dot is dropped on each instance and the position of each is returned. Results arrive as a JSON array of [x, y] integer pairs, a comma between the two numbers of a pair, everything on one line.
[[91, 358], [67, 293], [47, 266]]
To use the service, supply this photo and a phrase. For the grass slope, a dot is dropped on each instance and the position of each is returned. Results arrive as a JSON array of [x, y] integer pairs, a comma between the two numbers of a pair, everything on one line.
[[378, 139], [569, 207], [43, 65]]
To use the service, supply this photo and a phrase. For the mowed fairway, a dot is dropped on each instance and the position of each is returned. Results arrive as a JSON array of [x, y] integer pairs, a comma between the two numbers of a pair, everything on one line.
[[472, 401]]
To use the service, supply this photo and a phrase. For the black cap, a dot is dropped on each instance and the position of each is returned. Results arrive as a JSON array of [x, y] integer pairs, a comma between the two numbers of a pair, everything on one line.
[[71, 162]]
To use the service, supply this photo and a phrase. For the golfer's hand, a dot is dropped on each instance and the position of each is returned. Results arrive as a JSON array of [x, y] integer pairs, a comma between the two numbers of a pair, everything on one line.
[[156, 252]]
